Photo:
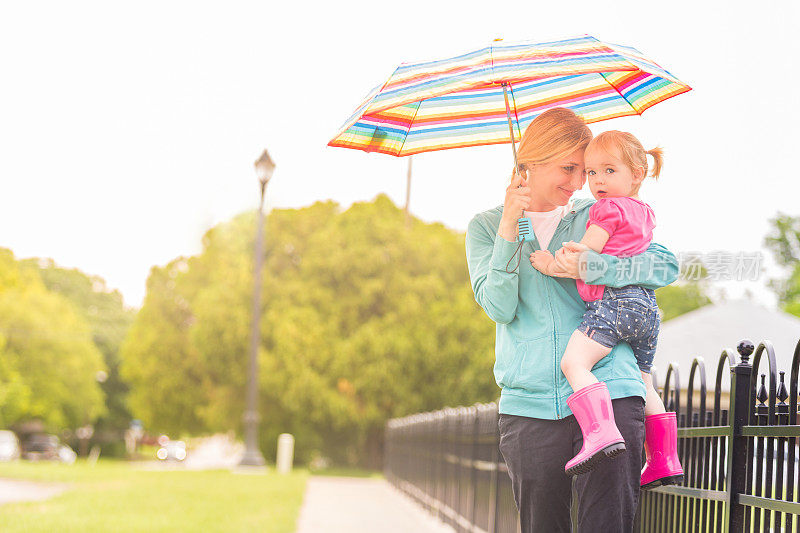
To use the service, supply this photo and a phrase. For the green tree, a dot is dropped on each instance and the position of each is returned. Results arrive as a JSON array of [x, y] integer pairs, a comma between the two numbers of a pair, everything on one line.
[[158, 359], [783, 240], [681, 297], [108, 320], [688, 293], [48, 362]]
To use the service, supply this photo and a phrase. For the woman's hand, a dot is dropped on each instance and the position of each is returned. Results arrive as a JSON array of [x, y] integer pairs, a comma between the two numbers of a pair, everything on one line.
[[518, 198], [567, 259]]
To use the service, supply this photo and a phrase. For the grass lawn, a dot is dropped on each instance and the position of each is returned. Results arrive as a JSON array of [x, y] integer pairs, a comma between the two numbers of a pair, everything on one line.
[[120, 496]]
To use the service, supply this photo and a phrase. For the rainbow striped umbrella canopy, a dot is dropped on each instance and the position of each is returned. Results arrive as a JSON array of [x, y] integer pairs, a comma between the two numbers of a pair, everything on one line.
[[459, 101]]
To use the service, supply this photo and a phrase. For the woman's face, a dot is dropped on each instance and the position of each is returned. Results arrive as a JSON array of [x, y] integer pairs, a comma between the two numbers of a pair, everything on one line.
[[552, 184]]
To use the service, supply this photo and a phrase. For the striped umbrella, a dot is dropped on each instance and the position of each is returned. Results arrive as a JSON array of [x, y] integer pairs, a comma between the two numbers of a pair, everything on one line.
[[491, 95]]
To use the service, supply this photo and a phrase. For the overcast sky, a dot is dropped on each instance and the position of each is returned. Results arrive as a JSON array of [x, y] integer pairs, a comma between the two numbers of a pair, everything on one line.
[[129, 129]]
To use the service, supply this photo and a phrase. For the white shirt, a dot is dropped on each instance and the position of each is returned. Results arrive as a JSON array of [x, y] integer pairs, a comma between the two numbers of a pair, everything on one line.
[[545, 222]]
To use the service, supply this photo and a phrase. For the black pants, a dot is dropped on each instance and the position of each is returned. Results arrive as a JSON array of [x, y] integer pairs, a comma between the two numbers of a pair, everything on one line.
[[536, 450]]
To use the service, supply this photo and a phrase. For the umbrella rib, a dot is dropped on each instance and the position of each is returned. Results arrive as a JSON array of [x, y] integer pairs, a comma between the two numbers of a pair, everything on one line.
[[408, 131], [516, 117], [602, 75]]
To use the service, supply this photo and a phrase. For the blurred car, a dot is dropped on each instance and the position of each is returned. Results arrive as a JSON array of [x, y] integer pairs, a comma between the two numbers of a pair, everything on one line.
[[9, 446], [174, 450], [42, 446]]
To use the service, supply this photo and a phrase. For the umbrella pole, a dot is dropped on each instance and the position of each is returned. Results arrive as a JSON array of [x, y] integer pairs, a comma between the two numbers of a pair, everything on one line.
[[408, 192], [510, 128], [524, 228]]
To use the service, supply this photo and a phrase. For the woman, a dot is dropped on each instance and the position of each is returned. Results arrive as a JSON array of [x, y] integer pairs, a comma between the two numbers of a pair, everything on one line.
[[536, 315]]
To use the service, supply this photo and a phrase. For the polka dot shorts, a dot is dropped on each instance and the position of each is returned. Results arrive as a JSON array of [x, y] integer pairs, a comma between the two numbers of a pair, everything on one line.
[[627, 314]]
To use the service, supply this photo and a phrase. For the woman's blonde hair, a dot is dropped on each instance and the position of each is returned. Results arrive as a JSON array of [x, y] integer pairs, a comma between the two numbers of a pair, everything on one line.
[[555, 133], [630, 150]]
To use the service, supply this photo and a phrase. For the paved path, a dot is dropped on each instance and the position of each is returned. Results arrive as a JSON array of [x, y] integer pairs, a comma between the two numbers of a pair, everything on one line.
[[362, 505], [14, 490]]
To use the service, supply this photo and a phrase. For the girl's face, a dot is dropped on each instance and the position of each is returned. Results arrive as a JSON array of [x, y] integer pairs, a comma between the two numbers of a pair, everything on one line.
[[609, 176], [552, 184]]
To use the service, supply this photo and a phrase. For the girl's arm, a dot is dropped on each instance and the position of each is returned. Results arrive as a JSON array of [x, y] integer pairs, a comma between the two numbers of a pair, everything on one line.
[[496, 290], [654, 268], [595, 239]]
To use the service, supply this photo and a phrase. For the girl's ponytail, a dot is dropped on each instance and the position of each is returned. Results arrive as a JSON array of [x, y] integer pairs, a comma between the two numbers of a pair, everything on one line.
[[658, 160]]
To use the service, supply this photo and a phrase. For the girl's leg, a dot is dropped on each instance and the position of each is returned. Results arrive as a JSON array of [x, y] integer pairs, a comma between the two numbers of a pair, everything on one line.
[[653, 405], [581, 355]]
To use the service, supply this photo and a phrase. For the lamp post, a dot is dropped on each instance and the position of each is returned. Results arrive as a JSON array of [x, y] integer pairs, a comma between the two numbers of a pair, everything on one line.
[[252, 455]]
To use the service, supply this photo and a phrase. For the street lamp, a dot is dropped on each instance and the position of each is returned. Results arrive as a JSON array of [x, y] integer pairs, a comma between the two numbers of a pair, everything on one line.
[[252, 455]]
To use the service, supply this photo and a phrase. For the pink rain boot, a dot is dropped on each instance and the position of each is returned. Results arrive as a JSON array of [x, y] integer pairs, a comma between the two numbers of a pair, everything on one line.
[[601, 439], [661, 447]]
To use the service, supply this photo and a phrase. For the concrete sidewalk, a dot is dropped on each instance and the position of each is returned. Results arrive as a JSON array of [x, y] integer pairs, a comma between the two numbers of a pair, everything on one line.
[[15, 490], [356, 505]]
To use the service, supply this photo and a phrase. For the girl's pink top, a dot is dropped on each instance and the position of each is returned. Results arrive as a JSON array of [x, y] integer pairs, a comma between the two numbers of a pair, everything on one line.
[[630, 223]]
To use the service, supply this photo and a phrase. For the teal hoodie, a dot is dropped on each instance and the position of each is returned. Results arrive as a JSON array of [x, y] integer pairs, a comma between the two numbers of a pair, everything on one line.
[[537, 314]]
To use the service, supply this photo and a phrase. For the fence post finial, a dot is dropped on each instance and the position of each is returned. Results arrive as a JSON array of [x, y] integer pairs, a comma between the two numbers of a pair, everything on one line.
[[782, 393], [762, 395], [745, 349]]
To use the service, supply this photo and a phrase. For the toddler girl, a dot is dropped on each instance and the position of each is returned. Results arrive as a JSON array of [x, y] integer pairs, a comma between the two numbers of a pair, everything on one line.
[[620, 224]]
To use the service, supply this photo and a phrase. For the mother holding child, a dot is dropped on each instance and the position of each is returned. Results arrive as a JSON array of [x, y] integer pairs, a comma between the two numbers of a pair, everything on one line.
[[573, 352]]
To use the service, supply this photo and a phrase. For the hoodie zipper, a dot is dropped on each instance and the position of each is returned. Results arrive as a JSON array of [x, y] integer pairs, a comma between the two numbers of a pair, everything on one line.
[[555, 371], [557, 399]]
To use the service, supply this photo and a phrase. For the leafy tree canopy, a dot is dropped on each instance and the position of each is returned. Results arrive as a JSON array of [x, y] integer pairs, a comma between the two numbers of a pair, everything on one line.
[[48, 361], [783, 240], [108, 320]]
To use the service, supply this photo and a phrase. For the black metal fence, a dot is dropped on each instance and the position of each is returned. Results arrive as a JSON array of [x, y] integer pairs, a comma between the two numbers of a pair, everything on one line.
[[740, 463], [449, 461]]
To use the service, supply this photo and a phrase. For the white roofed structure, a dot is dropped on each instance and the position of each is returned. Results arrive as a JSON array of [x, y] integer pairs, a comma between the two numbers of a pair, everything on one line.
[[706, 331]]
